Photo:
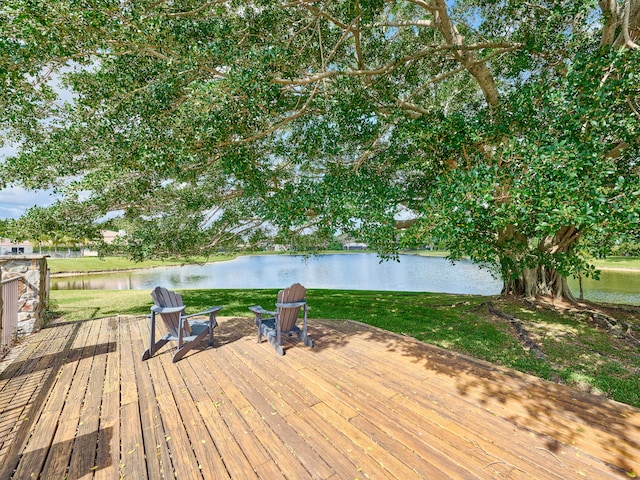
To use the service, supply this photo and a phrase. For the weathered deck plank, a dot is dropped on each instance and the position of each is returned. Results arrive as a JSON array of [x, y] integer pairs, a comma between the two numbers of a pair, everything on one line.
[[72, 394], [431, 409], [108, 448], [233, 439], [134, 454], [80, 403], [83, 456], [24, 384], [157, 451]]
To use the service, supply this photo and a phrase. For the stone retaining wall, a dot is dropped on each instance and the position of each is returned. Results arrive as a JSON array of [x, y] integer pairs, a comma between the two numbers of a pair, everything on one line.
[[32, 289]]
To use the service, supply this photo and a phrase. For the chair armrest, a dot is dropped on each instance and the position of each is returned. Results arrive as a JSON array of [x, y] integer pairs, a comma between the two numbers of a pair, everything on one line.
[[258, 310], [157, 309], [291, 305], [204, 312]]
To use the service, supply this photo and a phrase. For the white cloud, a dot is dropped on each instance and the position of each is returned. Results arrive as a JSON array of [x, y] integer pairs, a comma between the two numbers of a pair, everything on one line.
[[14, 201]]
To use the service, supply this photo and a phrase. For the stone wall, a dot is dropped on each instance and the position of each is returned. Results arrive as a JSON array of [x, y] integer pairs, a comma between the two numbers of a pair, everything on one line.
[[32, 289]]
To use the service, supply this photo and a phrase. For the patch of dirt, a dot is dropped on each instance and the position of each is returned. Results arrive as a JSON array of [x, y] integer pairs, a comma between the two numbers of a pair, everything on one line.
[[621, 321]]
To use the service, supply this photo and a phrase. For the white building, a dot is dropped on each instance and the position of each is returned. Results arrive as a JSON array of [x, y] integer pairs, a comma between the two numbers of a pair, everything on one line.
[[354, 246], [7, 247]]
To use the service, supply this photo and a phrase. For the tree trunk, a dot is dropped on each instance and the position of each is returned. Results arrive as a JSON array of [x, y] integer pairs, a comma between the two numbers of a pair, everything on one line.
[[539, 281]]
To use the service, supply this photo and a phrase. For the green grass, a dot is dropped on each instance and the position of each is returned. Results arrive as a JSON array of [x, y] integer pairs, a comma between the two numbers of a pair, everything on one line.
[[430, 253], [577, 353], [96, 264], [618, 262], [583, 355]]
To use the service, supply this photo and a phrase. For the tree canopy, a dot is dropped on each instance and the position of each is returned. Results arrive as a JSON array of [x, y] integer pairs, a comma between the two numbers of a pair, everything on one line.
[[508, 129]]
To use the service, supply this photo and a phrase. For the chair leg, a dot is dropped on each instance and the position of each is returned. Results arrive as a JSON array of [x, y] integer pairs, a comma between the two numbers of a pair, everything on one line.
[[278, 330], [305, 339], [179, 354], [148, 353], [303, 334], [188, 346], [212, 324], [258, 322], [272, 337]]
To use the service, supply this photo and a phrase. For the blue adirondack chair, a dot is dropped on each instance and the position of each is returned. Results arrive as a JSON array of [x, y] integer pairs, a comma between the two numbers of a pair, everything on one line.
[[283, 321], [188, 334]]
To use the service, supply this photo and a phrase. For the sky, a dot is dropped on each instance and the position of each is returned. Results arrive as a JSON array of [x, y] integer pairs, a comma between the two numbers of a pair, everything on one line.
[[14, 201]]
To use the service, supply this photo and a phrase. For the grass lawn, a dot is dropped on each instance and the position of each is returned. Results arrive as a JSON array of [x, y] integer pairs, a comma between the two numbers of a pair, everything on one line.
[[97, 264], [577, 352], [618, 262]]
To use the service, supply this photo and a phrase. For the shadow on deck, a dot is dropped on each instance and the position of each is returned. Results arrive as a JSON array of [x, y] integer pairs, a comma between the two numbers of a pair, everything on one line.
[[79, 403]]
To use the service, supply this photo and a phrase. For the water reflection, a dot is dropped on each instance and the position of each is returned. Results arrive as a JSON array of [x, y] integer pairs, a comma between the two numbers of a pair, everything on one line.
[[361, 271], [614, 286], [352, 271]]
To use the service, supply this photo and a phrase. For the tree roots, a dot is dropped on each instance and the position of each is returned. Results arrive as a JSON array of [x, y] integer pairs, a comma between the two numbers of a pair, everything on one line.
[[595, 315], [522, 333]]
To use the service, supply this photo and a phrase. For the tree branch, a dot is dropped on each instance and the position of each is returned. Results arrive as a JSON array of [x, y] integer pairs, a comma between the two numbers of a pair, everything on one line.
[[404, 23], [277, 125], [316, 11], [424, 5], [335, 73], [136, 47], [358, 47], [476, 67], [343, 37], [629, 43], [609, 10], [369, 151], [632, 107], [617, 150], [390, 67], [418, 110], [445, 75]]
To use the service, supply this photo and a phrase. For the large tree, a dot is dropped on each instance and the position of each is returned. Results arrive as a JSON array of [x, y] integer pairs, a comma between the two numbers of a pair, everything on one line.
[[507, 129]]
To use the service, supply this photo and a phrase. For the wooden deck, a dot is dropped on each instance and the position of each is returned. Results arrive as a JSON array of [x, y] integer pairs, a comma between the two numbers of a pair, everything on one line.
[[79, 403]]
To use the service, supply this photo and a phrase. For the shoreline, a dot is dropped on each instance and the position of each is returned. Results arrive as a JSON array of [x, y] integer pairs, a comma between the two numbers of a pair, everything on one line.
[[98, 272], [620, 269], [124, 270], [79, 273]]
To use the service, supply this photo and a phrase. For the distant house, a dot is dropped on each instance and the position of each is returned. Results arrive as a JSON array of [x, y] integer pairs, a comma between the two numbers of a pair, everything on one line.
[[354, 246], [108, 236], [7, 247]]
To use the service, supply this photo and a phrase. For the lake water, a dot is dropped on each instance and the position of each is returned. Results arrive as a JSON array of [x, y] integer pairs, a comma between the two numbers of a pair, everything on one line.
[[359, 271], [614, 286]]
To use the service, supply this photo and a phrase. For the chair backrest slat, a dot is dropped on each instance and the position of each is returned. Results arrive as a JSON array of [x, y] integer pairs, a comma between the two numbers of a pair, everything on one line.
[[166, 298], [289, 316]]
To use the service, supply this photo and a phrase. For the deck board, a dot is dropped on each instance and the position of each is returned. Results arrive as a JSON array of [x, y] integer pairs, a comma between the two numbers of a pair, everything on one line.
[[78, 402], [107, 455], [22, 385]]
